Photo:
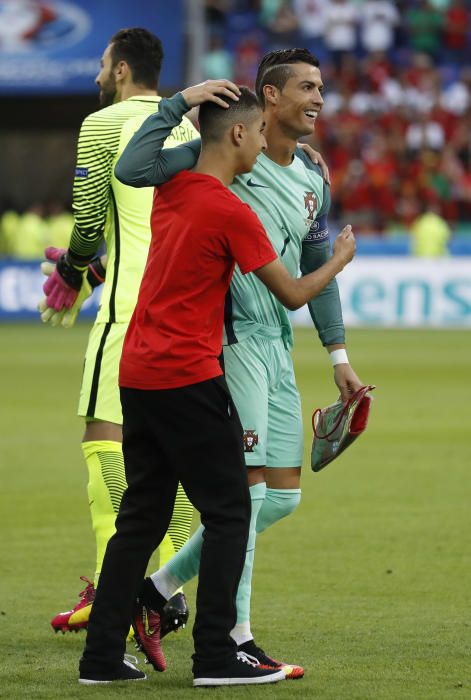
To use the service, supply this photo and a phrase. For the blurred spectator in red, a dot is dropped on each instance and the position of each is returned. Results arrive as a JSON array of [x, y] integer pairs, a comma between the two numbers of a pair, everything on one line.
[[396, 123], [248, 55], [456, 32], [378, 69], [356, 196]]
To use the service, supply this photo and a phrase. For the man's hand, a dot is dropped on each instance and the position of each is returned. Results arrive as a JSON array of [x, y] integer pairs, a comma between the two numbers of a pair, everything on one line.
[[64, 283], [211, 91], [66, 317], [316, 158], [344, 245], [95, 276], [346, 380]]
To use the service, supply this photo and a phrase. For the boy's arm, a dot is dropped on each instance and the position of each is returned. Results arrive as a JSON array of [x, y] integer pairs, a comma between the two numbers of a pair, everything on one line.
[[295, 292], [144, 162]]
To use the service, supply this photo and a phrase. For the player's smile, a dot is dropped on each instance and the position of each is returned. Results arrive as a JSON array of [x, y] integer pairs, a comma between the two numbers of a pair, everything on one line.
[[301, 100]]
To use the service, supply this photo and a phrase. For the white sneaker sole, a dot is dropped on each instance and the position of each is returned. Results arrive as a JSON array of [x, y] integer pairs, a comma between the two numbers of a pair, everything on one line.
[[271, 678], [88, 681]]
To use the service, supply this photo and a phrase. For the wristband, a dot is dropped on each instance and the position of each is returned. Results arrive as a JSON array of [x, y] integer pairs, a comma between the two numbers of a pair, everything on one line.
[[339, 357], [96, 273], [70, 275]]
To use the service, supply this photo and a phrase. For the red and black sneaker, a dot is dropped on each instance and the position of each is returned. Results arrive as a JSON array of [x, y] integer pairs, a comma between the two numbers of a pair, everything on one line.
[[77, 618], [266, 662], [146, 624]]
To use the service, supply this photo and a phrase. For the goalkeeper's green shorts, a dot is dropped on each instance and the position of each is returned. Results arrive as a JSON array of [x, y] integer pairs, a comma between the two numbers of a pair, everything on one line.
[[99, 395], [260, 375]]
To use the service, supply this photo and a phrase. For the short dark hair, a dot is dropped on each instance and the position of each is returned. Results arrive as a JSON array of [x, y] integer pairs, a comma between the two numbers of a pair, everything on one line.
[[143, 53], [215, 120], [275, 68]]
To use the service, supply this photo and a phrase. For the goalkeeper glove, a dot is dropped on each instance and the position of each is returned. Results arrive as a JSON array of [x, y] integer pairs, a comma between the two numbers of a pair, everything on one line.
[[63, 285], [66, 317]]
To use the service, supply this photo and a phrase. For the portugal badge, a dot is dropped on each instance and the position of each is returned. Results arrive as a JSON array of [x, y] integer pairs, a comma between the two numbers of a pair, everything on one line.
[[250, 440]]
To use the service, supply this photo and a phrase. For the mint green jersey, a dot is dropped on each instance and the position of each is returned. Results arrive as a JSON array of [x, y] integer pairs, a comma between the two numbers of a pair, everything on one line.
[[288, 201], [292, 203], [106, 209]]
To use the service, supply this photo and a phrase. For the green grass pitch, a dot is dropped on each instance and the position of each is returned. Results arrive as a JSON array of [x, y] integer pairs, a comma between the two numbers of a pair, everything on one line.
[[367, 584]]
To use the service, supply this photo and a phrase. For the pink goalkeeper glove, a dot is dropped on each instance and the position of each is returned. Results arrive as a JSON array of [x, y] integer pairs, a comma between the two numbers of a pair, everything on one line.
[[62, 287]]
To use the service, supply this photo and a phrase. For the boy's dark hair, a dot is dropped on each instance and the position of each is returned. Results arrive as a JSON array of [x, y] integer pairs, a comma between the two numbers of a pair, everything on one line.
[[275, 69], [143, 53], [215, 120]]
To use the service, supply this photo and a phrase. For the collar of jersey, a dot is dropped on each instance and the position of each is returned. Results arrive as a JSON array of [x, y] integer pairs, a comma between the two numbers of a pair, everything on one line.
[[150, 98]]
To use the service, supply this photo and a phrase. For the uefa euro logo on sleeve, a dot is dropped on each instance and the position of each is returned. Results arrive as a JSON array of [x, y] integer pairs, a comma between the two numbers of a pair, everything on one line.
[[338, 425]]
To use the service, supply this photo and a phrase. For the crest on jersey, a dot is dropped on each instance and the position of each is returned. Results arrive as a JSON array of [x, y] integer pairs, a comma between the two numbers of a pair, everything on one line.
[[250, 440], [310, 204]]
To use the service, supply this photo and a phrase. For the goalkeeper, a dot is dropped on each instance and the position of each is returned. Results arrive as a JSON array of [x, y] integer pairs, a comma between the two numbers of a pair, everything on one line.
[[106, 209]]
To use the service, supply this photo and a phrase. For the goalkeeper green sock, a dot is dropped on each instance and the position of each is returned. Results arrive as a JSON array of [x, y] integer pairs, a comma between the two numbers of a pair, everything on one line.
[[106, 485], [179, 528]]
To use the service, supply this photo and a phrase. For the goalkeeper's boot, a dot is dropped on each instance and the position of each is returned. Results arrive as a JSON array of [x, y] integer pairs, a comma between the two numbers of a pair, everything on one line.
[[174, 615], [266, 662], [77, 618]]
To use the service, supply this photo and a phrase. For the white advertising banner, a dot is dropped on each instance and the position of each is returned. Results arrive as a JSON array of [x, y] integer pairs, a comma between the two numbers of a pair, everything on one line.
[[404, 292]]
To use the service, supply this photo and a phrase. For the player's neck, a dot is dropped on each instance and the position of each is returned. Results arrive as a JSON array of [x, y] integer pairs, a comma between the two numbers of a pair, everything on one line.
[[215, 162], [133, 90], [280, 146]]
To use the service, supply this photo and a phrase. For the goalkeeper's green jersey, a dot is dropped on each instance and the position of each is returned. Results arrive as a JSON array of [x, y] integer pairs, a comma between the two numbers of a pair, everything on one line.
[[292, 203], [106, 209]]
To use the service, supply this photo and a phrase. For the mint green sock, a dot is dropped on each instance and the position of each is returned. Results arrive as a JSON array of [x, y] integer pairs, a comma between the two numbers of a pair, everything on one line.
[[185, 564], [278, 504], [257, 495]]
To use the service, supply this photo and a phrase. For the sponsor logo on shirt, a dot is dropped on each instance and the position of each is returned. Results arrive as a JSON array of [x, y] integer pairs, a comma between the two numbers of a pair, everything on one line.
[[318, 231], [81, 172], [251, 183]]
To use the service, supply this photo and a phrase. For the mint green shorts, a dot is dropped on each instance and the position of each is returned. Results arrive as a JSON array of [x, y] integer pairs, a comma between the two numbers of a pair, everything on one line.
[[260, 375]]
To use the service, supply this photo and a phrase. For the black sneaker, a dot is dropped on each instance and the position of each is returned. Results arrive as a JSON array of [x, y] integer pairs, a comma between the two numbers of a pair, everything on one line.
[[244, 670], [292, 671], [174, 615], [126, 672]]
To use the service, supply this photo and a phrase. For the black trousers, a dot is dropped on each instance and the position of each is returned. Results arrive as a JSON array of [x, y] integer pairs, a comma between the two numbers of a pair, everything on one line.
[[192, 435]]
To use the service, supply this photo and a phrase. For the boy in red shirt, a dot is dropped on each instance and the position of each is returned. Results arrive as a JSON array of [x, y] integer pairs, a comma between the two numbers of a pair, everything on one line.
[[180, 423]]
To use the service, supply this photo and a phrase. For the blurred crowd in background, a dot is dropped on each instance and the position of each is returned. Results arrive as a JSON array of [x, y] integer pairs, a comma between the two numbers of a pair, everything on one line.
[[395, 128], [396, 124]]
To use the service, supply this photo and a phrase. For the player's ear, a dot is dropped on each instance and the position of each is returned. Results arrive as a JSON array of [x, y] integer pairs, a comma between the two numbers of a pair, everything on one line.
[[121, 70], [271, 94], [237, 134]]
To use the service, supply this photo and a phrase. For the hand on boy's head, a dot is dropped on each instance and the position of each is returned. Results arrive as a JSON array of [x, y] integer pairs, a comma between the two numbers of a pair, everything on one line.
[[218, 91]]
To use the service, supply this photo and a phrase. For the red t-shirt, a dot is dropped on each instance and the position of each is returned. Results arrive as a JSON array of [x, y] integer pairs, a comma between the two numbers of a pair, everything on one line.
[[200, 229]]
